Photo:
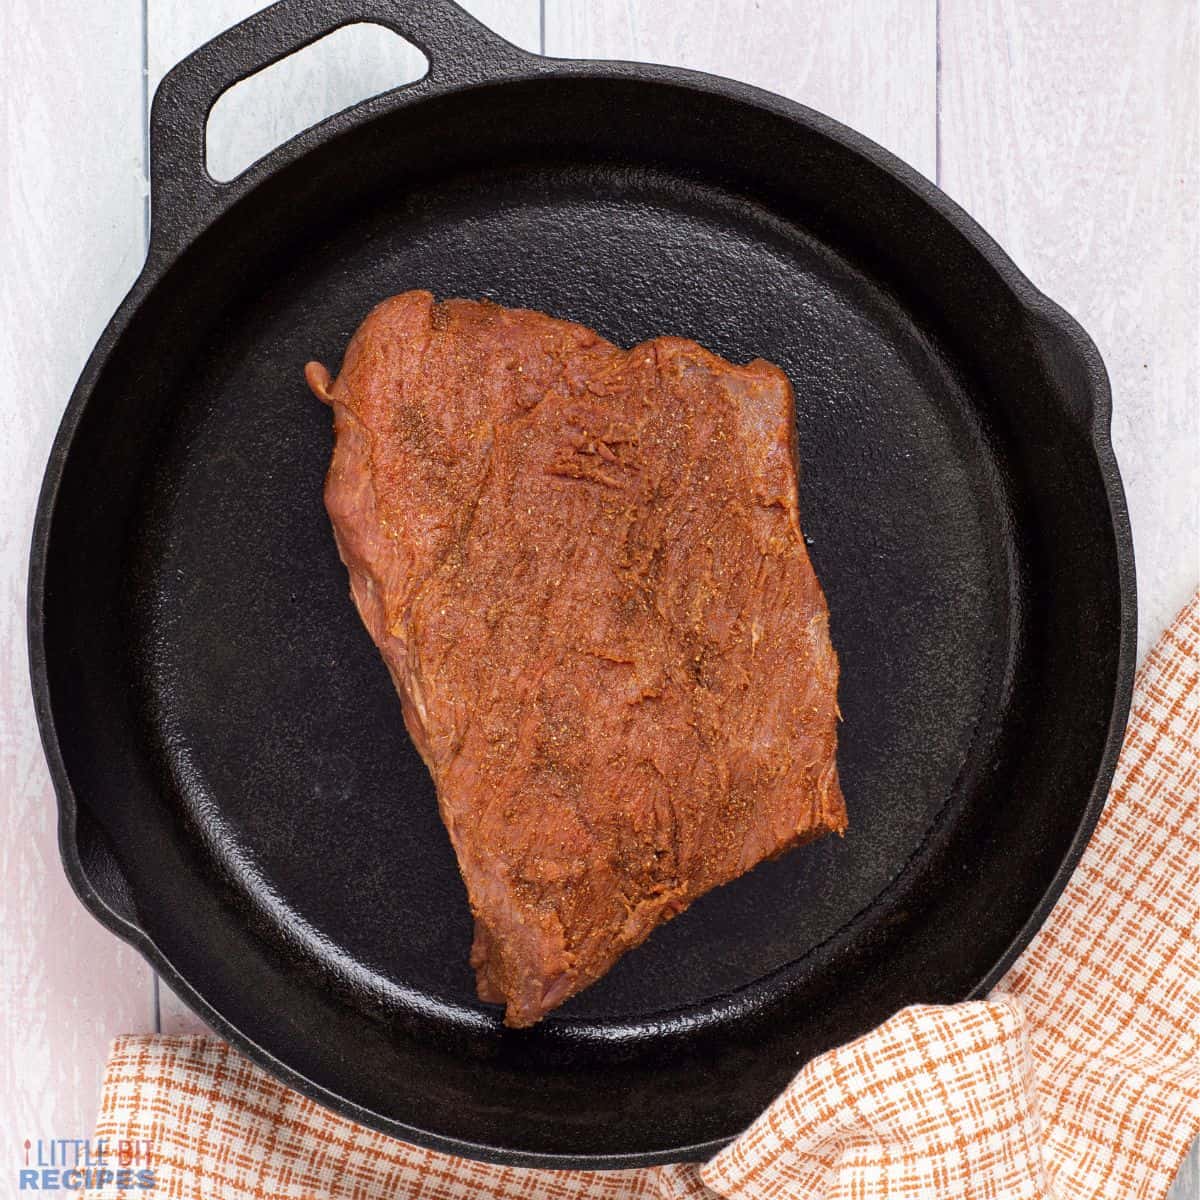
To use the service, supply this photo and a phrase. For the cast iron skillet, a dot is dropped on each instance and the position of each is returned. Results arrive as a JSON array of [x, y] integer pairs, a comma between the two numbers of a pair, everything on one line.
[[237, 796]]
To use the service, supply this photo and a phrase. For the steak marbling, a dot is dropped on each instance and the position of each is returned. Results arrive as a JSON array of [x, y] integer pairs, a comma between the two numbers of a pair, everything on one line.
[[584, 569]]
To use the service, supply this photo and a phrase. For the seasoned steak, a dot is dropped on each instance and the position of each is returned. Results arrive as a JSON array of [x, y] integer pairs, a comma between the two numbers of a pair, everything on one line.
[[584, 569]]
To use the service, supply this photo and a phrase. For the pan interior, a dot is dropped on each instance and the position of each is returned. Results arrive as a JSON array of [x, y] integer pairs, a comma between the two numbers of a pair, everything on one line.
[[291, 759]]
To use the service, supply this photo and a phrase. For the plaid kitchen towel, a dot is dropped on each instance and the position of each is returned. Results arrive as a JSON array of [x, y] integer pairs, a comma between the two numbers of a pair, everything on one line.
[[1079, 1077]]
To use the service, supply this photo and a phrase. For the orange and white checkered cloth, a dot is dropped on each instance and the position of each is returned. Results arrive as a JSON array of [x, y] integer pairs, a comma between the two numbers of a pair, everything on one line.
[[1079, 1077]]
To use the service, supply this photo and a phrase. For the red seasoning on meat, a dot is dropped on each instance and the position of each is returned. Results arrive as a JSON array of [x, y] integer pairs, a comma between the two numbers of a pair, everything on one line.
[[584, 569]]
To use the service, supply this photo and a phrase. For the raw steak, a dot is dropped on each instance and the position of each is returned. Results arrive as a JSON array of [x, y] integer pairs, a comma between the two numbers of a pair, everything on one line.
[[584, 569]]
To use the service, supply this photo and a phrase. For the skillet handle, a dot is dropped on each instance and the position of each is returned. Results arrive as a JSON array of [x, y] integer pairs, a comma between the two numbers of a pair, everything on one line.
[[460, 51]]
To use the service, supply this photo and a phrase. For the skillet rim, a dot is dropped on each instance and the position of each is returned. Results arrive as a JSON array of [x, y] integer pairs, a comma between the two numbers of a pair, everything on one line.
[[172, 234]]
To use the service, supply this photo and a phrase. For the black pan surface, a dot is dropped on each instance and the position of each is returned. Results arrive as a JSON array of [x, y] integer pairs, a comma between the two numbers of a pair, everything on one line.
[[238, 796]]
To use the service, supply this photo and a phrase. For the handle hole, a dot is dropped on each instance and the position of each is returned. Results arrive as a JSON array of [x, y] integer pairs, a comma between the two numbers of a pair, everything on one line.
[[337, 71]]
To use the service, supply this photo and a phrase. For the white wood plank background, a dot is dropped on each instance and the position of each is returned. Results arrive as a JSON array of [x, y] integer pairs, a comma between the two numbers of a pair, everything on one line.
[[1070, 129], [71, 243]]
